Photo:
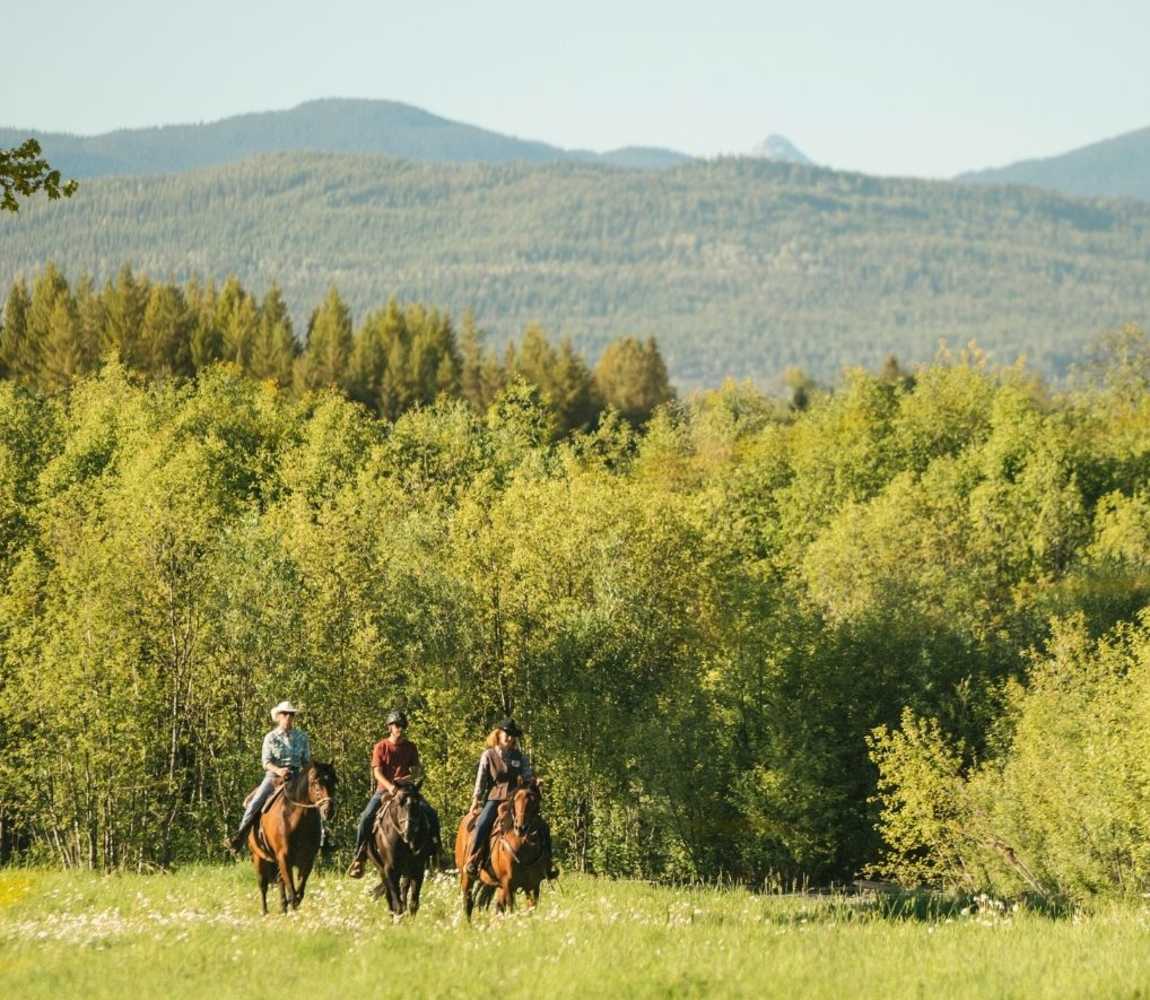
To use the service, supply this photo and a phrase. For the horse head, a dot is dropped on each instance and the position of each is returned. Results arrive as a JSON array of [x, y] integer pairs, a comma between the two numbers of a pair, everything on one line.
[[321, 782], [525, 806], [407, 813]]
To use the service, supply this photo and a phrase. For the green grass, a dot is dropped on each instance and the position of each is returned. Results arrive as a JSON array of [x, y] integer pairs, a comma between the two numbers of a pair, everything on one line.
[[199, 933]]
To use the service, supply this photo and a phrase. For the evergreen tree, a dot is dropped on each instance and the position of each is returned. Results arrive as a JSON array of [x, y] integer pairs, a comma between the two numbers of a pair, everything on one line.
[[472, 358], [275, 349], [207, 346], [93, 320], [369, 360], [632, 378], [43, 322], [124, 304], [166, 335], [63, 351], [324, 361], [15, 334], [238, 320], [574, 393]]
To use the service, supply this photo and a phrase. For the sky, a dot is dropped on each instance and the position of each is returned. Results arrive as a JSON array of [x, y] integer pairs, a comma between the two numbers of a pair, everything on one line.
[[891, 87]]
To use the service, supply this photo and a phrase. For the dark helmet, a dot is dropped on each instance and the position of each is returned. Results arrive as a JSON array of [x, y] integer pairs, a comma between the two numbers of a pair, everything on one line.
[[397, 717], [509, 726]]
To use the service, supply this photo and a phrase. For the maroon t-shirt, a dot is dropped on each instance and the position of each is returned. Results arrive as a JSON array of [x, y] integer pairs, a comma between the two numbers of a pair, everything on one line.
[[395, 760]]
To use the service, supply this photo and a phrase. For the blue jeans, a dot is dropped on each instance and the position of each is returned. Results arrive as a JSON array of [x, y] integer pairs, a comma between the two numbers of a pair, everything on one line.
[[483, 827], [267, 786], [366, 818]]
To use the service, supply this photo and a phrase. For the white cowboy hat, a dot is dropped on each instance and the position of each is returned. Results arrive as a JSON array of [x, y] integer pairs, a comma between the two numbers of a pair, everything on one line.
[[283, 706]]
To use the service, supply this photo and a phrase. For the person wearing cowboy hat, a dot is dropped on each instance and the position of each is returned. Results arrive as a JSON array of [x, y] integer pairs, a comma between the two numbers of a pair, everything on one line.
[[285, 751], [502, 766], [394, 760]]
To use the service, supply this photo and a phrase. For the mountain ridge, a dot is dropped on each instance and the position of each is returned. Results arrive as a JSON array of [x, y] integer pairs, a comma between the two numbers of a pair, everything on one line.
[[1117, 167], [323, 125]]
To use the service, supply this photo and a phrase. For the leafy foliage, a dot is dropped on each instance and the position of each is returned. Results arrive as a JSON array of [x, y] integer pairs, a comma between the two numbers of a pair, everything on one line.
[[745, 638], [24, 172]]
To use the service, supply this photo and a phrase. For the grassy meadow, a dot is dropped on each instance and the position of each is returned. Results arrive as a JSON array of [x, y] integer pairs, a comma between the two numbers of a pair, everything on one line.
[[199, 933]]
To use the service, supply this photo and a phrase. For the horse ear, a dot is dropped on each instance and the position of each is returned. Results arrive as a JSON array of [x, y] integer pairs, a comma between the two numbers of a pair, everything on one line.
[[539, 786], [417, 786]]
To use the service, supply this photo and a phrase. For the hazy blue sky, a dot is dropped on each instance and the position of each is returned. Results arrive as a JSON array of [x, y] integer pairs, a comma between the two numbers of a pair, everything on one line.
[[895, 86]]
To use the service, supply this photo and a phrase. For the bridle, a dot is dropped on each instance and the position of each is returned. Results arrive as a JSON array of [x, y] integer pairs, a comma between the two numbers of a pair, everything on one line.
[[389, 809], [304, 805]]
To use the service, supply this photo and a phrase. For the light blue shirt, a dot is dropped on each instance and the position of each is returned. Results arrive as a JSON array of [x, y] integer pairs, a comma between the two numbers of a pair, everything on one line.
[[286, 748]]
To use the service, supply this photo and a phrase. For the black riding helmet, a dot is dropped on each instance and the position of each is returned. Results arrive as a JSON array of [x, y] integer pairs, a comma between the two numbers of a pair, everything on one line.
[[509, 726], [397, 717]]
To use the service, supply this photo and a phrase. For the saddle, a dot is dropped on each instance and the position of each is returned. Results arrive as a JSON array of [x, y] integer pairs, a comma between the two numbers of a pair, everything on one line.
[[275, 795], [379, 813], [502, 819]]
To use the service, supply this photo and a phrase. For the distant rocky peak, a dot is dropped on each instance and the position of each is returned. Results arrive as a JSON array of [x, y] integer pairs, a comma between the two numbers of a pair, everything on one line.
[[779, 147]]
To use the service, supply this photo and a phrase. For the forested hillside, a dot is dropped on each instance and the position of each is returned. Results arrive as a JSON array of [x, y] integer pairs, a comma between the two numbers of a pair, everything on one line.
[[701, 624], [324, 126], [739, 267], [1114, 168]]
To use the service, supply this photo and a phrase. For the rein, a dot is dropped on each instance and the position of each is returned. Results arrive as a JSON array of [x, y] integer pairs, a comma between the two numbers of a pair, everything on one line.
[[524, 839], [303, 805]]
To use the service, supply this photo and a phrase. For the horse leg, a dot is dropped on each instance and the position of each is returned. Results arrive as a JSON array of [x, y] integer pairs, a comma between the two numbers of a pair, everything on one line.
[[404, 891], [416, 889], [486, 893], [287, 881], [468, 896], [532, 897], [393, 900], [304, 871], [263, 888]]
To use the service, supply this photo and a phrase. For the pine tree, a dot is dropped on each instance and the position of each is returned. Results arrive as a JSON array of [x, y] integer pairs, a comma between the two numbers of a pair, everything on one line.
[[207, 338], [471, 368], [93, 319], [324, 361], [124, 304], [275, 349], [166, 335], [238, 320], [368, 365], [13, 341], [63, 354], [575, 396], [632, 378], [48, 290]]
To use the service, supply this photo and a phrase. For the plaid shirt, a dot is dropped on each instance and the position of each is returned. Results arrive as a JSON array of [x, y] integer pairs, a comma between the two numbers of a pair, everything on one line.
[[286, 748]]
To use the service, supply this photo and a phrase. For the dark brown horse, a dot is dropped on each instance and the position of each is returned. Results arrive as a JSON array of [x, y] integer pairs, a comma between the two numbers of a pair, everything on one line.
[[288, 833], [518, 857], [402, 842]]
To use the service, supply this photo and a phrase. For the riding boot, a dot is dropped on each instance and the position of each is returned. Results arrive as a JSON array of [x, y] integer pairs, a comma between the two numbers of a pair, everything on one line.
[[235, 842], [356, 869], [476, 861]]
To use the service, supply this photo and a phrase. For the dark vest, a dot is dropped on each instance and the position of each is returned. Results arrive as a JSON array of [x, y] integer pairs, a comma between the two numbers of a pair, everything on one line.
[[505, 768]]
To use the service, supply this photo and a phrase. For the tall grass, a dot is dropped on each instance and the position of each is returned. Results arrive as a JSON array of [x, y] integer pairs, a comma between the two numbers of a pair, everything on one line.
[[199, 933]]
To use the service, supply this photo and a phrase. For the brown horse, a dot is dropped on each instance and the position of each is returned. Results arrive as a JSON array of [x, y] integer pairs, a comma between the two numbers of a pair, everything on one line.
[[402, 843], [288, 833], [518, 857]]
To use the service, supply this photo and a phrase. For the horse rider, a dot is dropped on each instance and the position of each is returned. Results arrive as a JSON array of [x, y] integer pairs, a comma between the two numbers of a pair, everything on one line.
[[394, 761], [286, 751], [502, 767]]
